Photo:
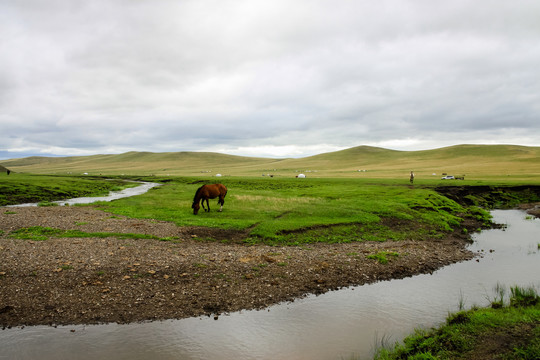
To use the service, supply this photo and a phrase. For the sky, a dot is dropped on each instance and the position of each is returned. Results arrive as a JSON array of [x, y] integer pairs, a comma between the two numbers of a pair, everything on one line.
[[280, 78]]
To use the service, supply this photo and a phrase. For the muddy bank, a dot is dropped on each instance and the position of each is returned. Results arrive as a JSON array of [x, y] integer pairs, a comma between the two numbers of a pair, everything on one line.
[[524, 197], [113, 279], [491, 197]]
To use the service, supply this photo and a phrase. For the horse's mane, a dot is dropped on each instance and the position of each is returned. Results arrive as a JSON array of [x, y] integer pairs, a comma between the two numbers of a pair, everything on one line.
[[197, 194]]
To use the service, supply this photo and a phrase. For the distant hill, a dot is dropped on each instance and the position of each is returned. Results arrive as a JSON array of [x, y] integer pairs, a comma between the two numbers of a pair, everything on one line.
[[3, 169], [473, 161]]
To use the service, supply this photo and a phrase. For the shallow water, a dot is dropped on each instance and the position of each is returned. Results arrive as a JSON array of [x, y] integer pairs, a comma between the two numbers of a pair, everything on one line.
[[335, 325], [113, 195]]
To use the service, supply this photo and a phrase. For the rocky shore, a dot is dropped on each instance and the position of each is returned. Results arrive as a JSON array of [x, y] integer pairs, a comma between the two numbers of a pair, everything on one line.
[[62, 281]]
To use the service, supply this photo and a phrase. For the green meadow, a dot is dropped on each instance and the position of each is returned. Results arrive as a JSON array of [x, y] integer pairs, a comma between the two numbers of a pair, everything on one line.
[[300, 210], [276, 210]]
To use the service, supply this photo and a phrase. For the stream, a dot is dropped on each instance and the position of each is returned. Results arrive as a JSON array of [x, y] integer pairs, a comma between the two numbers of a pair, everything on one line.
[[113, 195], [337, 325]]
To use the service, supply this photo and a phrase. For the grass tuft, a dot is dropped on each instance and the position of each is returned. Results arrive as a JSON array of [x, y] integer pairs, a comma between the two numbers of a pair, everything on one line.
[[382, 256], [523, 297], [39, 233]]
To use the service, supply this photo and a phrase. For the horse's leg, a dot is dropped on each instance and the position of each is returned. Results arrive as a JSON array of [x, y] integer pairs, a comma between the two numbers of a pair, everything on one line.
[[202, 204], [221, 201], [207, 205]]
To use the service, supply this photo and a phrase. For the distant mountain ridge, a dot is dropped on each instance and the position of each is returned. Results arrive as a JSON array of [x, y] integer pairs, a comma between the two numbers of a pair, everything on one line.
[[481, 160]]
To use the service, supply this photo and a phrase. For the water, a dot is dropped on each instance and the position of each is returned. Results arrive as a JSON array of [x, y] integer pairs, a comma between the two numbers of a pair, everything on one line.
[[113, 195], [335, 325]]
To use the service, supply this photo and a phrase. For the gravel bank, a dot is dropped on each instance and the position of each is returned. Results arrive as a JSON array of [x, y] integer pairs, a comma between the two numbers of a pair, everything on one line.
[[63, 281]]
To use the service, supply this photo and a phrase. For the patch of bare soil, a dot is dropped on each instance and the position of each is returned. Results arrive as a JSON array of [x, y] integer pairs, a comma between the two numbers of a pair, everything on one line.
[[63, 281]]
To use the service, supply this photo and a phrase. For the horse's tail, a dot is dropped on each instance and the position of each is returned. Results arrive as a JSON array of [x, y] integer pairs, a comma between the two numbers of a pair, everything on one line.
[[222, 194]]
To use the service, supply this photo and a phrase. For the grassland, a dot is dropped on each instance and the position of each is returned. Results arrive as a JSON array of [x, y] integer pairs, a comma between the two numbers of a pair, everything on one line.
[[294, 211], [477, 162], [283, 210], [271, 209]]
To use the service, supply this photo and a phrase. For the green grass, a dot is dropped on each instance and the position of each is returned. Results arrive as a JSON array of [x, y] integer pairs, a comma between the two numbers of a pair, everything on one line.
[[382, 256], [294, 211], [465, 333], [47, 203], [40, 233], [285, 211]]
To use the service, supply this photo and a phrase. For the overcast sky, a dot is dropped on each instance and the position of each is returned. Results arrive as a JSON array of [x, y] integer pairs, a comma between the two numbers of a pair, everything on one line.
[[277, 78]]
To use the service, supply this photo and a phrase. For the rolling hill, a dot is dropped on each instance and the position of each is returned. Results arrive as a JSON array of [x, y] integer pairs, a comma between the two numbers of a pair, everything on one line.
[[473, 161], [3, 169]]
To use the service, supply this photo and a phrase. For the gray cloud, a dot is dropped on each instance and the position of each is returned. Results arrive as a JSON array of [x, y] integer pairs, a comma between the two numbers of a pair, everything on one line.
[[276, 78]]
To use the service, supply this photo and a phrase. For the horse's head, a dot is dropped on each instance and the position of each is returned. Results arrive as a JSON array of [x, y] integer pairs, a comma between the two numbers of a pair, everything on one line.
[[195, 206]]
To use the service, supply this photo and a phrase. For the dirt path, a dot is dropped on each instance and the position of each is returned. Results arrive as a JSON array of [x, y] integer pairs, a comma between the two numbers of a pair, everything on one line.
[[99, 280]]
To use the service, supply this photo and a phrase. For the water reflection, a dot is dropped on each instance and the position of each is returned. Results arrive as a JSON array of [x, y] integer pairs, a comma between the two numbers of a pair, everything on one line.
[[330, 326]]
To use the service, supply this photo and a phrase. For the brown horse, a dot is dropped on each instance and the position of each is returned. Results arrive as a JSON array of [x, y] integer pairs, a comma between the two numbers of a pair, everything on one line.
[[206, 192]]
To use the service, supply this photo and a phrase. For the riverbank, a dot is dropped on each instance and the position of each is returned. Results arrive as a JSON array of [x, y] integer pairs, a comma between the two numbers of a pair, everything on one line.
[[179, 273], [506, 330]]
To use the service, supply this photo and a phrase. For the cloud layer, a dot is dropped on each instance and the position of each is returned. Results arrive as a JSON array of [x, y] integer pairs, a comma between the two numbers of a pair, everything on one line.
[[266, 78]]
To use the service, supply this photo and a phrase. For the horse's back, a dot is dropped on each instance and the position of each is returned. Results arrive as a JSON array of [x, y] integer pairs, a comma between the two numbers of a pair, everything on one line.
[[214, 190], [222, 189]]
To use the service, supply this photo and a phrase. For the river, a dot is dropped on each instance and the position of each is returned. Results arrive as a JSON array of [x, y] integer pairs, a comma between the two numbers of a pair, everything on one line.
[[336, 325]]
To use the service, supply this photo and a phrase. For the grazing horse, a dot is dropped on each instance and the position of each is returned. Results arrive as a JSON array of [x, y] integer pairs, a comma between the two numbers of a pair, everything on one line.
[[206, 192]]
